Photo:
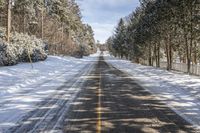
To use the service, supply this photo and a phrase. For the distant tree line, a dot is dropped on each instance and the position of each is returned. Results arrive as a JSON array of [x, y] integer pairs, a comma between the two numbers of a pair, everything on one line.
[[57, 22], [159, 30]]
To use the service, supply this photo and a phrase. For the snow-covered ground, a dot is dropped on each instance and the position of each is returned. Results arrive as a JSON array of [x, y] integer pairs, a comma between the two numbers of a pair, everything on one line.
[[22, 87], [179, 91]]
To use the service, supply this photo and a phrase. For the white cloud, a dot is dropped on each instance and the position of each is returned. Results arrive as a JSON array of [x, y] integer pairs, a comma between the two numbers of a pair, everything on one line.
[[110, 3], [102, 31], [103, 15]]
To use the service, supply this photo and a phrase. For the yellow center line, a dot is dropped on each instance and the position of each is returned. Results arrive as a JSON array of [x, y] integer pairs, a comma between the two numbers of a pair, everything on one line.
[[99, 106]]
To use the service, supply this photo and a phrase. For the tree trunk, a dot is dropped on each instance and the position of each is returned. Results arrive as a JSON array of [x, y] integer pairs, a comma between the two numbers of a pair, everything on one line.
[[187, 54], [121, 56], [149, 55], [158, 56], [170, 55], [195, 55], [9, 21], [155, 55], [42, 24]]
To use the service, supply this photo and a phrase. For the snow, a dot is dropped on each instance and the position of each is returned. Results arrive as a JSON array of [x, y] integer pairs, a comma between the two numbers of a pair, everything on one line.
[[22, 87], [179, 91]]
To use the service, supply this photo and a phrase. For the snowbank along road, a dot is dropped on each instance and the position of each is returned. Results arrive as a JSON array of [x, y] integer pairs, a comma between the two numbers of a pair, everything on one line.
[[97, 98]]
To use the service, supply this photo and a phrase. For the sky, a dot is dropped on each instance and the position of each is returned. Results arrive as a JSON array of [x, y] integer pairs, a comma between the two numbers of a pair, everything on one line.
[[103, 15]]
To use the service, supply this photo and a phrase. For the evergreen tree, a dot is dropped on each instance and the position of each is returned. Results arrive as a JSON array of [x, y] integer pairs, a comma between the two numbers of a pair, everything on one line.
[[57, 22], [161, 30]]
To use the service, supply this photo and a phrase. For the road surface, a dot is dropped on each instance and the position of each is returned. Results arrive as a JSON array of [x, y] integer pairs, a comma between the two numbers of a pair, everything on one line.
[[102, 100]]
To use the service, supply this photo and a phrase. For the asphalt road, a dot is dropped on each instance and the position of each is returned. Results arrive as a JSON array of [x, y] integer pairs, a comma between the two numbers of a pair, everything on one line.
[[112, 102], [102, 99]]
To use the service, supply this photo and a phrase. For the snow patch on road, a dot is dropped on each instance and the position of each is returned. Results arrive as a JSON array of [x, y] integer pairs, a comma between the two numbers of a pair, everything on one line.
[[179, 91], [22, 87]]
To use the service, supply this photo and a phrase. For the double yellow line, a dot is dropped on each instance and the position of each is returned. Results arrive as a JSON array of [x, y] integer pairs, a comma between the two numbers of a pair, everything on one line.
[[99, 124]]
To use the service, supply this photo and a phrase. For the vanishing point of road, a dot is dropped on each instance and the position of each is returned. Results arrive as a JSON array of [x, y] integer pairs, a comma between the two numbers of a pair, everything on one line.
[[109, 101]]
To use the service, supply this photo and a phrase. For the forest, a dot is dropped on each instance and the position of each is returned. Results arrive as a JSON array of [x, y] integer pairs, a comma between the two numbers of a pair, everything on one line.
[[159, 31], [32, 23]]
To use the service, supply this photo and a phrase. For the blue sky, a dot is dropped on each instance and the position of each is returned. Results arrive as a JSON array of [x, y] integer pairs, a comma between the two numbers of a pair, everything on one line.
[[103, 15]]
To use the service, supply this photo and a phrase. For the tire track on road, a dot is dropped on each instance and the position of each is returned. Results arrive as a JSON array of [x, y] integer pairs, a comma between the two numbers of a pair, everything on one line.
[[39, 119]]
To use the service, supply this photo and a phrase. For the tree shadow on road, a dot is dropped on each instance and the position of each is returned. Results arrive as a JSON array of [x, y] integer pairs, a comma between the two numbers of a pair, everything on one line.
[[125, 107]]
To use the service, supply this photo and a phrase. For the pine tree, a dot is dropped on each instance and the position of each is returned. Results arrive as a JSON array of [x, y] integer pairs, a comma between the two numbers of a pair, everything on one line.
[[162, 30], [57, 22]]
